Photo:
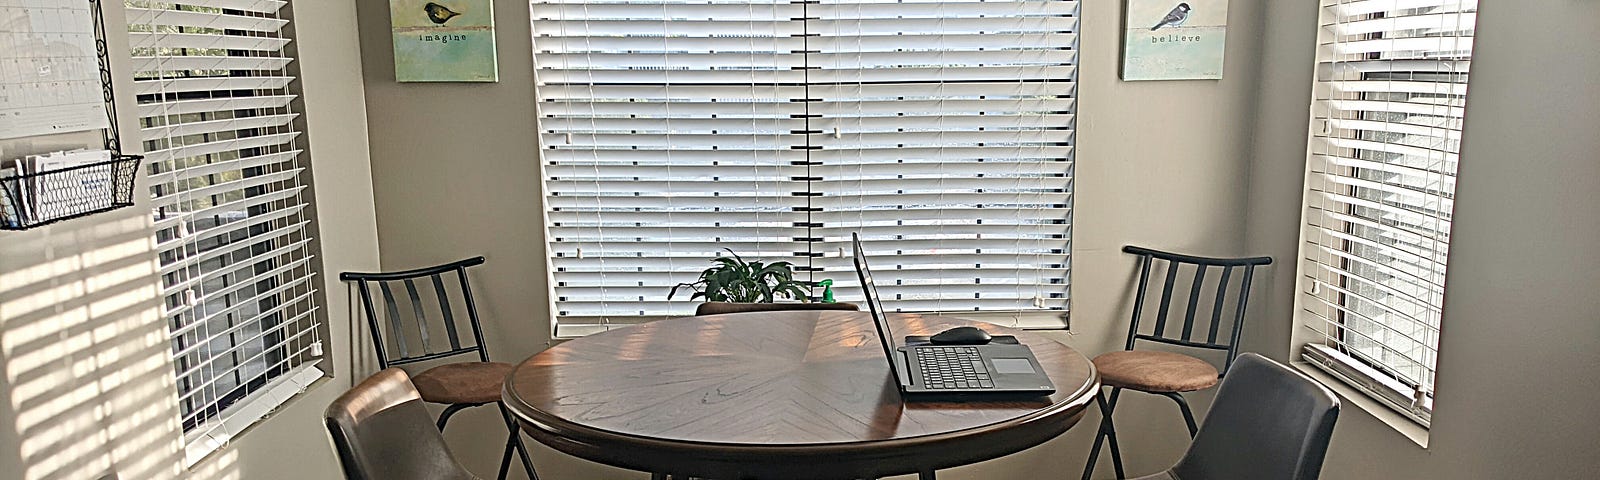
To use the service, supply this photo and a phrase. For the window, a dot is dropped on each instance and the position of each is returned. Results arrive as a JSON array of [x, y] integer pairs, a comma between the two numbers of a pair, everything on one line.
[[212, 81], [1391, 83], [942, 130]]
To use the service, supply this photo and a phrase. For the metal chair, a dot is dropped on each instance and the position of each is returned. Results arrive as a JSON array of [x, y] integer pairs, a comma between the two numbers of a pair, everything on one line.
[[381, 431], [1165, 373], [414, 338], [1285, 418]]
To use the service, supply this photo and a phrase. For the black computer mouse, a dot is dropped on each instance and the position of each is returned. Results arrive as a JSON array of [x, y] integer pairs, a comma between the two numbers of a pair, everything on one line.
[[961, 336]]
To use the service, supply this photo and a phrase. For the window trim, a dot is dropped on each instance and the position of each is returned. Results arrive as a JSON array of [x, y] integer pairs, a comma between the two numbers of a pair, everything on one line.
[[1043, 320], [1368, 380], [248, 412], [1360, 399]]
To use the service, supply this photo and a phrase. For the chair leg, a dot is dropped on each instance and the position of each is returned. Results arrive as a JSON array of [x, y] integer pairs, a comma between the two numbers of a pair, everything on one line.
[[1106, 432], [505, 461], [1099, 435], [1188, 415], [515, 441], [451, 410], [1111, 434], [926, 475]]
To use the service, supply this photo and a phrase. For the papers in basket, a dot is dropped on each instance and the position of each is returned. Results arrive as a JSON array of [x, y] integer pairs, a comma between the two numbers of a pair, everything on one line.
[[41, 197]]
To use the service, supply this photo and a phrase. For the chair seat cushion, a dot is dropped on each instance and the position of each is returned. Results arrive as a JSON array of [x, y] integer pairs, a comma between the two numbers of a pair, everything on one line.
[[467, 382], [1155, 371]]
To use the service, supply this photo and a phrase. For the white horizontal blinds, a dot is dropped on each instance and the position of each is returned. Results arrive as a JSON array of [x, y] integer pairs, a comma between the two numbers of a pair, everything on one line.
[[1386, 134], [220, 141], [668, 133], [674, 129], [942, 131]]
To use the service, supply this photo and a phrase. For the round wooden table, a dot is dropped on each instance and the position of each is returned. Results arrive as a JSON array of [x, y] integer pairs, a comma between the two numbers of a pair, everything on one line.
[[776, 395]]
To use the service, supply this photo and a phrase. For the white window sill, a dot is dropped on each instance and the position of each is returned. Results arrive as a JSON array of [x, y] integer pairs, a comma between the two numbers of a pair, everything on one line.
[[240, 416], [1349, 395], [1041, 320]]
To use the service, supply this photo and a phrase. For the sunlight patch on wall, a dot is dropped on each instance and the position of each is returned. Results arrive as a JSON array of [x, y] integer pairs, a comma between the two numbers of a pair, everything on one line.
[[86, 361]]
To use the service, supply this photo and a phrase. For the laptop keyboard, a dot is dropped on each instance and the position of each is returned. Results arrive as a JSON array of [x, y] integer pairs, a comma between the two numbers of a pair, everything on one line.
[[952, 368]]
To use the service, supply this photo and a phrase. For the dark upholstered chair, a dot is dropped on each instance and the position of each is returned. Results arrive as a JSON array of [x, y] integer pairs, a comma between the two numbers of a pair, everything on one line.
[[718, 308], [1166, 373], [1269, 423], [428, 331], [382, 431]]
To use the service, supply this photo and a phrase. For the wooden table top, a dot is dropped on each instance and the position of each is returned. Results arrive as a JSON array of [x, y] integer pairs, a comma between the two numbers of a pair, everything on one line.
[[794, 394]]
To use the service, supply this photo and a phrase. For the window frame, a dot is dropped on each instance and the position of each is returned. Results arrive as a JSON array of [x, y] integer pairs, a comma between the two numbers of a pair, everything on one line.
[[273, 252], [1327, 349], [820, 256]]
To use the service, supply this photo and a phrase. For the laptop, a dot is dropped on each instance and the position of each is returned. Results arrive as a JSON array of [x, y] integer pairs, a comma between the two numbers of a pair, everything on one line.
[[994, 368]]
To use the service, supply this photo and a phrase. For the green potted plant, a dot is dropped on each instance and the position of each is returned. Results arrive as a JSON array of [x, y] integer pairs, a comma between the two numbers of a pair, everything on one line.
[[734, 285]]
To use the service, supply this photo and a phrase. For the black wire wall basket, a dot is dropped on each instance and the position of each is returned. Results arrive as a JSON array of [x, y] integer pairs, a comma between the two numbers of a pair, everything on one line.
[[41, 198], [30, 199]]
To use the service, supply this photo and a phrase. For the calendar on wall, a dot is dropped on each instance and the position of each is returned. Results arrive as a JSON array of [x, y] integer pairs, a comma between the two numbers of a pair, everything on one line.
[[49, 69]]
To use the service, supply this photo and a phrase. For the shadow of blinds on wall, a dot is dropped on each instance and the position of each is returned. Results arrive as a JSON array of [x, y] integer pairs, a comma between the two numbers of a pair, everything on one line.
[[1386, 123], [212, 82], [942, 130]]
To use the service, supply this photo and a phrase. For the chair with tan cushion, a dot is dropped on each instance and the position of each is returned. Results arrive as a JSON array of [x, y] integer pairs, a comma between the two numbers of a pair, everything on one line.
[[381, 431], [1166, 373], [425, 329]]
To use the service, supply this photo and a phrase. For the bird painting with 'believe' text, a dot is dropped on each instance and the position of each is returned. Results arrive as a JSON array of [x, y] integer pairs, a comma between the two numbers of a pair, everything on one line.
[[1173, 18]]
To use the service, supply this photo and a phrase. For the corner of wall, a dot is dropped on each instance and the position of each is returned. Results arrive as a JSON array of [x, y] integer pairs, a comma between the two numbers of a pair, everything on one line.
[[1277, 168]]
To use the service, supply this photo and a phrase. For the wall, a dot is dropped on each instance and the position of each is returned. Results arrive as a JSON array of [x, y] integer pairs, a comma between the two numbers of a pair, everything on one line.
[[1519, 360], [87, 387], [1162, 164]]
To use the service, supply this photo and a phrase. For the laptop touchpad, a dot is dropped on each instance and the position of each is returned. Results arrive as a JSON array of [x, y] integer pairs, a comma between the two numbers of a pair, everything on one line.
[[1012, 365]]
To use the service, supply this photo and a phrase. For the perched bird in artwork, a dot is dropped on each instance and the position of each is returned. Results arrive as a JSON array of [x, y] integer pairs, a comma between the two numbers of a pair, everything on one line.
[[439, 13], [1174, 17]]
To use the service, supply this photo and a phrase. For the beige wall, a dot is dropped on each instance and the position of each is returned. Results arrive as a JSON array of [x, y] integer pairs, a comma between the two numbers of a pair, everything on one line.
[[87, 387], [1161, 164], [1519, 360]]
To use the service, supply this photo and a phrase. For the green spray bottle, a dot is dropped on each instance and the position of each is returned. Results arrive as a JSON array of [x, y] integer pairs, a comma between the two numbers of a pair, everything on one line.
[[827, 290]]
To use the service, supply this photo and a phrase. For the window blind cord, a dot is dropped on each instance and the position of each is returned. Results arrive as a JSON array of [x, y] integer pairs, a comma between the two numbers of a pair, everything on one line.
[[594, 152], [1040, 198], [194, 294], [860, 98], [666, 66], [808, 147], [563, 49], [940, 72], [1436, 174], [755, 126], [298, 163]]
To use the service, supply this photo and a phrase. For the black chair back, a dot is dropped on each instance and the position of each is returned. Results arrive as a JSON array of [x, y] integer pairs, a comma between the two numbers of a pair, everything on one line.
[[382, 431], [1232, 272], [411, 335], [1268, 423]]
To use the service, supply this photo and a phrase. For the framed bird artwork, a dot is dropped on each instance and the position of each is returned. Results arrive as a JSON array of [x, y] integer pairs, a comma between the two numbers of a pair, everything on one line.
[[1174, 39], [444, 40]]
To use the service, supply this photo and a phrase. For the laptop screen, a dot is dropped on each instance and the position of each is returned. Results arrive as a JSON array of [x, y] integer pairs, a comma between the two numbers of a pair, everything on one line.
[[879, 317]]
